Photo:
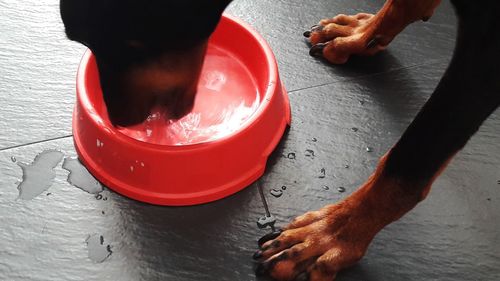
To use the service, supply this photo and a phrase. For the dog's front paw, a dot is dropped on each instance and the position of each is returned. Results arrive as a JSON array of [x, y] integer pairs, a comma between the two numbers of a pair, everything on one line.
[[317, 245], [338, 38], [365, 34]]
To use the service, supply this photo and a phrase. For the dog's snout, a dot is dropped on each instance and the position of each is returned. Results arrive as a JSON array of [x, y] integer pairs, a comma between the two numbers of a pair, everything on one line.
[[177, 103]]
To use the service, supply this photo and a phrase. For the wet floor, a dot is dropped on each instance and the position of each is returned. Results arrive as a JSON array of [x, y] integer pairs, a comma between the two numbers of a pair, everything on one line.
[[38, 176], [58, 223], [80, 177]]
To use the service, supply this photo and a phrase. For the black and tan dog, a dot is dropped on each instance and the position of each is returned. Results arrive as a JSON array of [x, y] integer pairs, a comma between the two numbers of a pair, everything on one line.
[[151, 52]]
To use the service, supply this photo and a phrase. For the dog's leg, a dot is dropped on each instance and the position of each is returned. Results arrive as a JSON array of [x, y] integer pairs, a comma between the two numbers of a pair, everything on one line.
[[317, 245], [366, 34]]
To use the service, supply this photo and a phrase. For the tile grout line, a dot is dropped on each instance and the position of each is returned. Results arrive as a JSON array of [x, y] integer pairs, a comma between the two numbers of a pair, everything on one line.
[[35, 142], [291, 91], [367, 75]]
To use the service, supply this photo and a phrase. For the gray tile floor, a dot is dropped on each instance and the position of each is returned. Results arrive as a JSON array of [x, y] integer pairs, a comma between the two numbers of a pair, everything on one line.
[[453, 235]]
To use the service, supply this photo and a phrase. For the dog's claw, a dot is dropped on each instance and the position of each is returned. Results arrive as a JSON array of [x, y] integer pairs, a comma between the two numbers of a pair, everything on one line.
[[275, 244], [317, 50], [257, 255], [269, 236], [372, 43], [317, 28], [262, 269], [314, 28], [304, 276]]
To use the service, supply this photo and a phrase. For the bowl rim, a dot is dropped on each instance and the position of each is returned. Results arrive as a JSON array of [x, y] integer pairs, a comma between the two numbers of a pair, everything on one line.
[[110, 130]]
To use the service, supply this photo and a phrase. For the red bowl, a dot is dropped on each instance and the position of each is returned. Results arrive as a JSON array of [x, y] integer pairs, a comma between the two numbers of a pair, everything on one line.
[[240, 114]]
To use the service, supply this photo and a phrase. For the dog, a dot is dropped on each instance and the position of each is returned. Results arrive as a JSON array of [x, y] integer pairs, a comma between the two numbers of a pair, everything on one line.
[[150, 53]]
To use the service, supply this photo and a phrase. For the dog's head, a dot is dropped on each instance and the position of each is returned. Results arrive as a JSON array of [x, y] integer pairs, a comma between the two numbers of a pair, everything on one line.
[[149, 53], [133, 84]]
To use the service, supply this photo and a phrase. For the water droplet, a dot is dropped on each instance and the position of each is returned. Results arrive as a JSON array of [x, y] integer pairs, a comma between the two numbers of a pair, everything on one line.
[[80, 177], [283, 187], [99, 143], [291, 155], [489, 199], [314, 139], [369, 149], [276, 192], [131, 168], [326, 187], [48, 194], [362, 102], [309, 153], [266, 221], [294, 181], [322, 173], [142, 164], [39, 175], [102, 212], [98, 196], [498, 182], [341, 189], [98, 252], [346, 166], [13, 159], [354, 129], [105, 198]]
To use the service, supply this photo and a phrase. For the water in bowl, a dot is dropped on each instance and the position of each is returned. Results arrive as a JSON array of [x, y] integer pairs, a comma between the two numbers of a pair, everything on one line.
[[223, 104]]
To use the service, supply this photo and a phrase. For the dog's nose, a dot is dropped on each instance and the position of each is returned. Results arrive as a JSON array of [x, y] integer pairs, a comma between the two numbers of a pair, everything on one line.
[[178, 104], [184, 108]]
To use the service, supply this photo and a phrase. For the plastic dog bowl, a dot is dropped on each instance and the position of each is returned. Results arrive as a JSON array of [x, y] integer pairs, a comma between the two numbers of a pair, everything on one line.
[[240, 114]]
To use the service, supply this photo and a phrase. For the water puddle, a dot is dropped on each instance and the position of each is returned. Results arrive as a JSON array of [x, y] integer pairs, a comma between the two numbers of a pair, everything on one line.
[[276, 192], [310, 153], [98, 252], [266, 221], [322, 174], [102, 195], [39, 175], [80, 177]]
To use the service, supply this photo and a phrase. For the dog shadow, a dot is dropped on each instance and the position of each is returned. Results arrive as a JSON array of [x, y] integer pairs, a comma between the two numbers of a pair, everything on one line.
[[358, 66], [392, 86]]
